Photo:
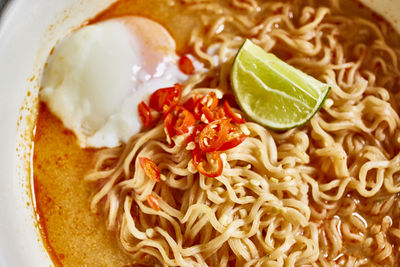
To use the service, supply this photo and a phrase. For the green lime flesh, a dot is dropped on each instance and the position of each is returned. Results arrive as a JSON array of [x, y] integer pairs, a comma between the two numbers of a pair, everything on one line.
[[273, 93]]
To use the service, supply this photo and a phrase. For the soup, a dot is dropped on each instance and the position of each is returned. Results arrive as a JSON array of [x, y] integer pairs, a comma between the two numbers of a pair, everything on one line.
[[321, 194]]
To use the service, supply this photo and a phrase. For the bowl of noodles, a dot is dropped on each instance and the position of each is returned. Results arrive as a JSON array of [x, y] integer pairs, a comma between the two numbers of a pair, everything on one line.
[[175, 172]]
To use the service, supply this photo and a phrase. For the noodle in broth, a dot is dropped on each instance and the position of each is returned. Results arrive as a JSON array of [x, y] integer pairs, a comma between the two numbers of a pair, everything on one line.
[[324, 193]]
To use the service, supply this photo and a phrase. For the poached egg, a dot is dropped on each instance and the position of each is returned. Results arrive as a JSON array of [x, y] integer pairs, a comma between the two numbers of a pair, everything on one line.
[[96, 77]]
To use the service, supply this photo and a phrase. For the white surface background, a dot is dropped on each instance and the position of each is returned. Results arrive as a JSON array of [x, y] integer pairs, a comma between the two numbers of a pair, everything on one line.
[[26, 37]]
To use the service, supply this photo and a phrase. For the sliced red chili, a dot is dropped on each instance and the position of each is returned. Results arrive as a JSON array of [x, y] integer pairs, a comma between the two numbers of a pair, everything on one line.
[[145, 114], [184, 121], [234, 142], [234, 138], [186, 65], [211, 166], [208, 114], [165, 99], [231, 114], [213, 135], [197, 109], [191, 103], [197, 156], [153, 202], [210, 101], [150, 168], [192, 135], [220, 113], [193, 132], [169, 123]]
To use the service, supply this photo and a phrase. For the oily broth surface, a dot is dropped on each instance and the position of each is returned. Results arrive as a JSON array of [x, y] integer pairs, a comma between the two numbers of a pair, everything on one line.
[[74, 235]]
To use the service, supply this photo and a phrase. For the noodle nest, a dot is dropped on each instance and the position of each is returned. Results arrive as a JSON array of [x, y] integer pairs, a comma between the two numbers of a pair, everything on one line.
[[316, 195]]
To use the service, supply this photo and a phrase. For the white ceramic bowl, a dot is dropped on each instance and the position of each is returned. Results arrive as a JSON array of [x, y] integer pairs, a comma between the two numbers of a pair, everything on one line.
[[28, 31]]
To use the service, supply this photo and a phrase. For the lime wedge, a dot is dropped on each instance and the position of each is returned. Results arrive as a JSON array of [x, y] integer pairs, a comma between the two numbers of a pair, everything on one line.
[[273, 93]]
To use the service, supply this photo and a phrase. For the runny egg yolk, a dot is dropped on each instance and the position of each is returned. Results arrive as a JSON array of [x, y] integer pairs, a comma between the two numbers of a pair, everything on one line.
[[97, 76]]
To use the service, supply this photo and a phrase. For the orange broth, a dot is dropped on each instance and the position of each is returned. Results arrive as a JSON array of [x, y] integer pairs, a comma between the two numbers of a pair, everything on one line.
[[73, 235]]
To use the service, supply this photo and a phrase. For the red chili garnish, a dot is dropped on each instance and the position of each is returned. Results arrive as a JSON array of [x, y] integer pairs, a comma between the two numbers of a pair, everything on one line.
[[208, 114], [153, 202], [165, 99], [231, 114], [197, 110], [213, 136], [191, 103], [186, 65], [193, 132], [234, 138], [184, 121], [210, 101], [196, 156], [145, 114], [234, 142], [210, 168], [150, 168], [169, 123], [220, 113], [192, 135]]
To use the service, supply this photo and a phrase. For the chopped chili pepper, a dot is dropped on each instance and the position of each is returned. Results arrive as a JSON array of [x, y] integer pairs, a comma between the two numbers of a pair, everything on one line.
[[184, 121], [234, 138], [191, 103], [210, 101], [186, 65], [165, 99], [193, 132], [220, 113], [213, 135], [150, 168], [230, 114], [179, 121], [208, 114], [211, 166], [153, 202], [192, 135], [169, 123], [145, 114]]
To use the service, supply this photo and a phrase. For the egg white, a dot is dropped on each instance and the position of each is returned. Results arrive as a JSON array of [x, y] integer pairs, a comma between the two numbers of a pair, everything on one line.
[[97, 76]]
